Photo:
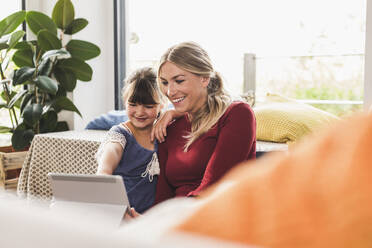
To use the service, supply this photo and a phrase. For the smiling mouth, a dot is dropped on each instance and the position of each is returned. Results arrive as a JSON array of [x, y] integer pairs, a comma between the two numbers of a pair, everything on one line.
[[140, 119], [177, 100]]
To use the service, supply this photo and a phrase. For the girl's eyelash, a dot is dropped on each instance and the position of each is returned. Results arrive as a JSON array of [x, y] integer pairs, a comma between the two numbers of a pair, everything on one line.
[[164, 82], [179, 81]]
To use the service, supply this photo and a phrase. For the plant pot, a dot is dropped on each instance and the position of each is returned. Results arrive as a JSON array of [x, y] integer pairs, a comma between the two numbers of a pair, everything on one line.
[[11, 162]]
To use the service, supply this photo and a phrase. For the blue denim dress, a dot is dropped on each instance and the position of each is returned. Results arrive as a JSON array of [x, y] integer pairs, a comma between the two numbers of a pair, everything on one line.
[[139, 167]]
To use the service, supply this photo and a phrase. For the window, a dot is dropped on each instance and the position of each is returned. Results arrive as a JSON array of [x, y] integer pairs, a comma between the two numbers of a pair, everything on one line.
[[308, 50]]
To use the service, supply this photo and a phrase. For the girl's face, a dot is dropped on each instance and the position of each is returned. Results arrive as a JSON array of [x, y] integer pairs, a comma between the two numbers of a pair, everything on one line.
[[186, 91], [142, 116]]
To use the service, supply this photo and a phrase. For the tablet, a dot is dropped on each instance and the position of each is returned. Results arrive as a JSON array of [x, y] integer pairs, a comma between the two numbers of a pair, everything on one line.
[[94, 196]]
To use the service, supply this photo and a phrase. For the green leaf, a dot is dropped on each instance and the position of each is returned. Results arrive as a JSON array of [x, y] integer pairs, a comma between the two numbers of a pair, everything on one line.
[[22, 75], [38, 21], [5, 129], [4, 96], [16, 98], [22, 137], [10, 23], [66, 104], [45, 67], [48, 41], [26, 99], [32, 113], [48, 122], [14, 38], [61, 126], [59, 53], [23, 45], [61, 92], [46, 84], [66, 78], [82, 49], [81, 69], [76, 25], [23, 58], [63, 13], [3, 45]]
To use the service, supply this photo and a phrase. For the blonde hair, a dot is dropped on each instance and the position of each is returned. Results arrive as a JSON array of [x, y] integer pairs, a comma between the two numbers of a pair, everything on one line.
[[141, 87], [190, 57]]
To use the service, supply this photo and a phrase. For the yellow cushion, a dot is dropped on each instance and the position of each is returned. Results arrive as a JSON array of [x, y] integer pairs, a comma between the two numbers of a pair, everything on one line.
[[284, 120]]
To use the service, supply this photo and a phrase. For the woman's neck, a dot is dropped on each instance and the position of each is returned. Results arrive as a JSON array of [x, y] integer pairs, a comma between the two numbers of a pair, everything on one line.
[[191, 115]]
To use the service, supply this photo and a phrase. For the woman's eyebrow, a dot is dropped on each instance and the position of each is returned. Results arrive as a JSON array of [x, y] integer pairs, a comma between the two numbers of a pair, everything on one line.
[[179, 75], [174, 77]]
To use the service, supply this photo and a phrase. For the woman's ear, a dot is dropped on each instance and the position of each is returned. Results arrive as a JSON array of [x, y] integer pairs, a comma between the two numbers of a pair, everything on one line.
[[205, 81]]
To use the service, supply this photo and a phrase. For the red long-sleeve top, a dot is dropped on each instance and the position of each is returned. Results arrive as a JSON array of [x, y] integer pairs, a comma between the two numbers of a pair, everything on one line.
[[230, 141]]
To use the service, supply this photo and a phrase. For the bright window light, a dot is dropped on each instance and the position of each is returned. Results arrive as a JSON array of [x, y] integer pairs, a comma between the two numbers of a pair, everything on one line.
[[303, 49]]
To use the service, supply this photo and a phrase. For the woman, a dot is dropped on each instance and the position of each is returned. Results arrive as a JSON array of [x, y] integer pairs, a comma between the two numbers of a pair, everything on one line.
[[211, 133]]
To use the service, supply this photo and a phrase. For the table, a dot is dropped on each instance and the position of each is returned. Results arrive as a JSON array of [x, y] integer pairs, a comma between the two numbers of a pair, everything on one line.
[[63, 152], [71, 152]]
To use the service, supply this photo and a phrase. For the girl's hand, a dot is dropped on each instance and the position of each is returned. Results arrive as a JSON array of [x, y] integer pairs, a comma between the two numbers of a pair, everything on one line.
[[159, 130], [131, 213]]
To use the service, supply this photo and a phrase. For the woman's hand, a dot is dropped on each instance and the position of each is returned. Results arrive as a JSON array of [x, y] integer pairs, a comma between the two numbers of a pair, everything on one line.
[[159, 131]]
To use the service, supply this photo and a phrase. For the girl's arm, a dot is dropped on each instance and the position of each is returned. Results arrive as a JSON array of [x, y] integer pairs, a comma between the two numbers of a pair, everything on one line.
[[110, 158], [159, 131]]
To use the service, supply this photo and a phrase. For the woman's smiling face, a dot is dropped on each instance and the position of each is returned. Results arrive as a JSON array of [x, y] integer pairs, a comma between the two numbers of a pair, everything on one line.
[[186, 91]]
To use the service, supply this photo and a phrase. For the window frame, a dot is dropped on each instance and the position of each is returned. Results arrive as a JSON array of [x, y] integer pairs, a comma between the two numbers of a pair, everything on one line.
[[120, 49]]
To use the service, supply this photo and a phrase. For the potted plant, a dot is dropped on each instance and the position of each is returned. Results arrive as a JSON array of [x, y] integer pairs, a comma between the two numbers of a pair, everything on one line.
[[45, 69], [49, 69]]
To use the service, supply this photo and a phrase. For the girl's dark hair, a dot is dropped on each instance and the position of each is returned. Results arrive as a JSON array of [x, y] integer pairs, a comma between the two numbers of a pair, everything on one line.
[[141, 87]]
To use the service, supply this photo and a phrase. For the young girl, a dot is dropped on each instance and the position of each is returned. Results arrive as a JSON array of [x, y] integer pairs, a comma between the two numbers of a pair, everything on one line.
[[128, 150]]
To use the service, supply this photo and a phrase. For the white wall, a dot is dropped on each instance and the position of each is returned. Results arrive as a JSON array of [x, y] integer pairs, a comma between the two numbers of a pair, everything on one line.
[[368, 59], [97, 96]]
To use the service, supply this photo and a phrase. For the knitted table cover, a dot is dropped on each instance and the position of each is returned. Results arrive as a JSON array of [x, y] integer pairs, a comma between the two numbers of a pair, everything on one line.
[[70, 152]]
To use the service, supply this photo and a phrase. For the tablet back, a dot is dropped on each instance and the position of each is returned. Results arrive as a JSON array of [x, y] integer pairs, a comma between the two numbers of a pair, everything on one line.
[[90, 196]]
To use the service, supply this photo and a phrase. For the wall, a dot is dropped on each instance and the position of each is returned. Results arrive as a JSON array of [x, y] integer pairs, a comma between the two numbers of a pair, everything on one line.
[[97, 96], [368, 59]]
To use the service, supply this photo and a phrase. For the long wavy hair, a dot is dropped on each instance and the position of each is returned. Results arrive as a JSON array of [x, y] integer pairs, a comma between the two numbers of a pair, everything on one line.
[[190, 57]]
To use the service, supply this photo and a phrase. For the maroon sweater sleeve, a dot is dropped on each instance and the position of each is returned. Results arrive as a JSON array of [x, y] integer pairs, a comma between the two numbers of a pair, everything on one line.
[[164, 190], [236, 143]]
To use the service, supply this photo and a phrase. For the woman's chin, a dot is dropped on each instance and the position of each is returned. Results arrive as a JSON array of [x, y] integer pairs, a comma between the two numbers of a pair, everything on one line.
[[179, 107]]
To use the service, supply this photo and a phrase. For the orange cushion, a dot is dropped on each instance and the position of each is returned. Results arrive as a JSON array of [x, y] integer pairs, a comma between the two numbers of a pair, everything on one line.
[[318, 195]]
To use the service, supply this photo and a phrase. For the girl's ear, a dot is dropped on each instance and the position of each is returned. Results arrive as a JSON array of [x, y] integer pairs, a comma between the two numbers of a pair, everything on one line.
[[205, 81]]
